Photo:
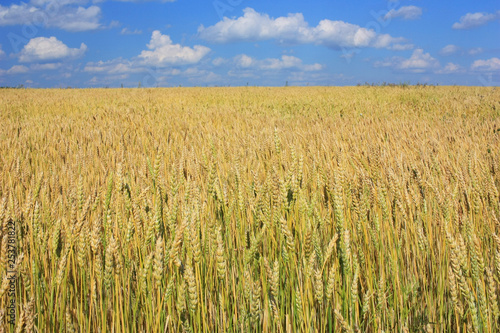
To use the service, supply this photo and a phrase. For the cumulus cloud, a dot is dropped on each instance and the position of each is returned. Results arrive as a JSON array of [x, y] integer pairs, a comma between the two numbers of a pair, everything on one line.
[[401, 47], [255, 26], [59, 2], [244, 61], [107, 80], [127, 31], [419, 62], [81, 19], [162, 52], [274, 64], [405, 13], [284, 63], [144, 0], [83, 2], [451, 68], [52, 14], [43, 67], [16, 14], [475, 50], [219, 61], [18, 69], [473, 20], [197, 76], [449, 50], [293, 29], [45, 49], [115, 66], [489, 65]]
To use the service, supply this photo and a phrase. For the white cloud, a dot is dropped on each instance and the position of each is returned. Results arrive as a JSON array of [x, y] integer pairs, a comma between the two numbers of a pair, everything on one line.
[[419, 62], [115, 66], [81, 19], [83, 2], [45, 49], [143, 0], [287, 62], [274, 64], [454, 50], [253, 26], [476, 50], [127, 31], [489, 65], [58, 2], [56, 14], [451, 68], [195, 76], [17, 14], [43, 67], [473, 20], [268, 70], [112, 80], [18, 69], [449, 50], [244, 61], [94, 80], [318, 78], [348, 55], [313, 67], [2, 53], [401, 47], [405, 12], [163, 52], [219, 61], [198, 76], [114, 24]]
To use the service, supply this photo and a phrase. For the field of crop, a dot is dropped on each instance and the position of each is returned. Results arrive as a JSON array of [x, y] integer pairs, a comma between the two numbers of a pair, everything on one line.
[[357, 209]]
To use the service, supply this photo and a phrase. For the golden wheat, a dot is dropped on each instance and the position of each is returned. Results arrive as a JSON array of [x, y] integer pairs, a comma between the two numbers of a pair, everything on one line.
[[250, 209]]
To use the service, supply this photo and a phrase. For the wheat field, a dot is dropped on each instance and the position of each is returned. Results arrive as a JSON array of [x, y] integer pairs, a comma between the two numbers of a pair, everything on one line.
[[312, 209]]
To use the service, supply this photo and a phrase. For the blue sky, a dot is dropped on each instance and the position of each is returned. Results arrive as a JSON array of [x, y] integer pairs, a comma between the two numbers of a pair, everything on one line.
[[101, 43]]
